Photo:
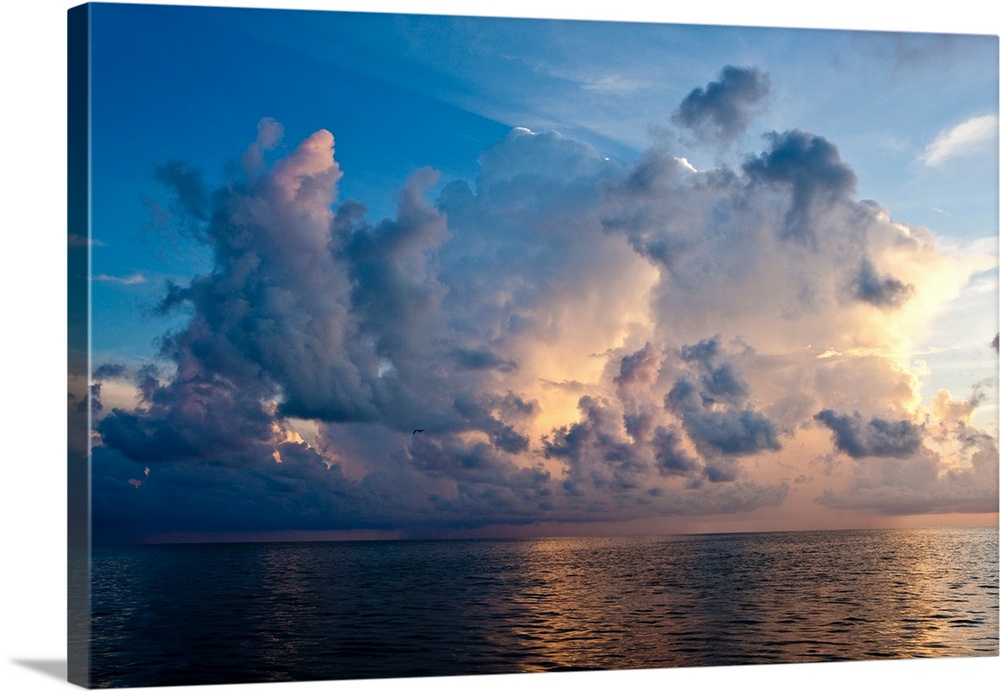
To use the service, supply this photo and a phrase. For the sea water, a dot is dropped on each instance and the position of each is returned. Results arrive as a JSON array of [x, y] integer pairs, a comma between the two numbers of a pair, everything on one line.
[[255, 612]]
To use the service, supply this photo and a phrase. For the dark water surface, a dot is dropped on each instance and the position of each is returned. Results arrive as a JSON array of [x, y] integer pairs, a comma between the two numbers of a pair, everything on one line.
[[229, 613]]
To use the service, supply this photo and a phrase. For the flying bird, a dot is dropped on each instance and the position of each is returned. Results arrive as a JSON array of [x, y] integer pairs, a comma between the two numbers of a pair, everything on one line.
[[417, 430]]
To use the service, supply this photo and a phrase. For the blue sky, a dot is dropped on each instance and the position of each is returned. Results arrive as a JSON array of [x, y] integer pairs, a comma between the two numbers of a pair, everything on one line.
[[628, 277]]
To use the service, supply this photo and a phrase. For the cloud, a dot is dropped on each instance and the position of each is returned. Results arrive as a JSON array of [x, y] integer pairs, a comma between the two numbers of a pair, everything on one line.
[[596, 454], [715, 408], [615, 84], [670, 456], [723, 109], [109, 371], [738, 432], [482, 359], [923, 484], [133, 279], [860, 438], [946, 408], [609, 475], [961, 140], [811, 166], [881, 291], [580, 339], [188, 185], [273, 312], [269, 134]]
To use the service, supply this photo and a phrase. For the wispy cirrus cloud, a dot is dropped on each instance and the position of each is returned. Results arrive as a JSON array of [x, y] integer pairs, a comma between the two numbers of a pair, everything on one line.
[[615, 84], [964, 138], [130, 280]]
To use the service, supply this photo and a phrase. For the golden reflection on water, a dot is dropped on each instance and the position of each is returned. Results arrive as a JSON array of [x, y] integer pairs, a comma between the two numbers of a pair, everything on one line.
[[554, 589], [578, 606], [585, 603]]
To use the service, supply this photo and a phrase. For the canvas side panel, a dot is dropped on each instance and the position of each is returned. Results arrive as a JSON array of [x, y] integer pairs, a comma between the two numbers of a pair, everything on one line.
[[78, 312]]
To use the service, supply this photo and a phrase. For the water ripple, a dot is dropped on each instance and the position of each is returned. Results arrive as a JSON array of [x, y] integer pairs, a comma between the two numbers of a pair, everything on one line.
[[183, 614]]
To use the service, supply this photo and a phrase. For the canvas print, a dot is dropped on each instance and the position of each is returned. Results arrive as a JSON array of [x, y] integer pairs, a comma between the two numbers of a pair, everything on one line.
[[410, 345]]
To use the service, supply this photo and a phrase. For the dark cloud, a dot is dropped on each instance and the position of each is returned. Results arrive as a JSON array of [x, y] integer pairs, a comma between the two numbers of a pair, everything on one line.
[[255, 494], [720, 378], [196, 416], [110, 370], [722, 470], [670, 456], [739, 432], [477, 464], [596, 455], [190, 195], [275, 308], [723, 109], [881, 291], [715, 410], [79, 404], [513, 406], [860, 438], [102, 373], [479, 414], [811, 167], [482, 358], [609, 475], [995, 344], [638, 373], [669, 214], [396, 303]]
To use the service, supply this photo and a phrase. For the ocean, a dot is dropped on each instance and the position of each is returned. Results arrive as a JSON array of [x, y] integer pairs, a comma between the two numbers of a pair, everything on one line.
[[167, 615]]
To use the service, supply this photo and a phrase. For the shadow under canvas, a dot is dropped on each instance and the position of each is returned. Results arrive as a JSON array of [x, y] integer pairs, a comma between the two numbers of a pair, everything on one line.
[[50, 668]]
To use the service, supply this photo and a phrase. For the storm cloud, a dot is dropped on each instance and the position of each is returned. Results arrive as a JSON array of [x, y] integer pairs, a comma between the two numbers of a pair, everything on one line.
[[579, 340]]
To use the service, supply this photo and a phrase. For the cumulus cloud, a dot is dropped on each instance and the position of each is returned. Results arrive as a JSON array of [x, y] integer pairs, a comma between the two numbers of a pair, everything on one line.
[[859, 438], [579, 339], [669, 453], [924, 484], [269, 135], [723, 109], [715, 410], [274, 310], [961, 140], [811, 167]]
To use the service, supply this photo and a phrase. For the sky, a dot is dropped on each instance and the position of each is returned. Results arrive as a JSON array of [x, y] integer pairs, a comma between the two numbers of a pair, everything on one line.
[[624, 277]]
